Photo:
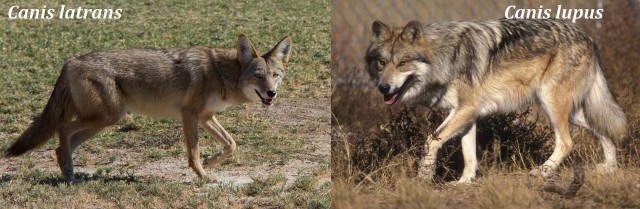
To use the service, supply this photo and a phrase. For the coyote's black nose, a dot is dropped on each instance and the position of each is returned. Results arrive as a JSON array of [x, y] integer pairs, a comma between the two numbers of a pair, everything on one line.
[[271, 93], [384, 88]]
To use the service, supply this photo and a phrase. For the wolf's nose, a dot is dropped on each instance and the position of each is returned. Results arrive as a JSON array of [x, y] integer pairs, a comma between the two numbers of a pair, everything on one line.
[[384, 88], [271, 93]]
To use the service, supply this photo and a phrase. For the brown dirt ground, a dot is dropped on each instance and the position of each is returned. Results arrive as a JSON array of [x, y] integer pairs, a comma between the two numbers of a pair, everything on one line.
[[284, 115]]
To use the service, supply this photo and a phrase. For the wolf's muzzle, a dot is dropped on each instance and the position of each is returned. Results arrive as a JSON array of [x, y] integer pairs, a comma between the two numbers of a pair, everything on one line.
[[384, 88]]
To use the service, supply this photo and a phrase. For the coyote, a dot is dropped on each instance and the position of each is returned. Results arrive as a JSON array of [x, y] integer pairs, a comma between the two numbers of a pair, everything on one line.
[[97, 89], [474, 69]]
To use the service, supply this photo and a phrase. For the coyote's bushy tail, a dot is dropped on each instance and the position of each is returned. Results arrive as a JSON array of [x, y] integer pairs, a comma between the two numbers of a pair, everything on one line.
[[603, 114], [58, 109]]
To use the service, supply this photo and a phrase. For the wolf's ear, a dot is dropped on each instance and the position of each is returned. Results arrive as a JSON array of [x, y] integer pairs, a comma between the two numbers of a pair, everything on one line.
[[412, 31], [381, 32], [282, 50], [246, 51]]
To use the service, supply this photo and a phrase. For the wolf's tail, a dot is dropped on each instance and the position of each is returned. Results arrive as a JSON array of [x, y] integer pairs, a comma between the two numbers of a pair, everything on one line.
[[603, 114], [58, 109]]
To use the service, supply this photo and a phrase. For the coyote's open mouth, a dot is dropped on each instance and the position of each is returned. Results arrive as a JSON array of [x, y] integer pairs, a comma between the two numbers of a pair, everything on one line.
[[392, 98], [264, 101]]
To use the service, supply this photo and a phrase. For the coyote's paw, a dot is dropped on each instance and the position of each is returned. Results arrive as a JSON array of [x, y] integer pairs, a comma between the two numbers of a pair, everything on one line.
[[544, 171], [211, 178], [606, 168], [75, 181]]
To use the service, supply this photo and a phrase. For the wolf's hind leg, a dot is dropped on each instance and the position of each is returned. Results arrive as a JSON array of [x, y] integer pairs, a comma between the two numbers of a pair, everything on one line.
[[610, 163], [213, 127], [558, 108]]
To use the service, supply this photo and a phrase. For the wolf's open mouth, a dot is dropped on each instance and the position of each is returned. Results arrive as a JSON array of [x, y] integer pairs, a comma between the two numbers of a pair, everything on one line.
[[392, 98], [264, 101]]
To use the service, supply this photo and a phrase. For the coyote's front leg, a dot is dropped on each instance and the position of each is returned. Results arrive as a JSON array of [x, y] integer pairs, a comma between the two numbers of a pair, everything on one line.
[[190, 128], [213, 127]]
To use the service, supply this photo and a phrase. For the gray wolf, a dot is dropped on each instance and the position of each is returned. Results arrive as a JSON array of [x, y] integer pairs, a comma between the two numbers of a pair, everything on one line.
[[474, 69], [97, 89]]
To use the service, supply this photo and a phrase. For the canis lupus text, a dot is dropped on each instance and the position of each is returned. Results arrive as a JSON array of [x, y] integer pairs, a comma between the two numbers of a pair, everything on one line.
[[97, 89], [474, 69]]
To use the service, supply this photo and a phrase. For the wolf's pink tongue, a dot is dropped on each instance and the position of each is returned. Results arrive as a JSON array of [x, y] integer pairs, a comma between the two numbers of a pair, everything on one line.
[[392, 100]]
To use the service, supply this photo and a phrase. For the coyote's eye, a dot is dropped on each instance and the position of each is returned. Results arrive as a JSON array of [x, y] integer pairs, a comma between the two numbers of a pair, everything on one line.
[[382, 63], [275, 75], [402, 63], [258, 76]]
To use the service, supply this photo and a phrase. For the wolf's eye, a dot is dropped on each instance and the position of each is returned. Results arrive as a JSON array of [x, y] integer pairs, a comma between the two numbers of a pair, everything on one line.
[[382, 63], [258, 76], [275, 75], [402, 63]]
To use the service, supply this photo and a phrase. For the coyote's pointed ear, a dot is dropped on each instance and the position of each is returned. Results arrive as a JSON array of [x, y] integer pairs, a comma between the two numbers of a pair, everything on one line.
[[282, 50], [246, 51], [412, 31], [381, 32]]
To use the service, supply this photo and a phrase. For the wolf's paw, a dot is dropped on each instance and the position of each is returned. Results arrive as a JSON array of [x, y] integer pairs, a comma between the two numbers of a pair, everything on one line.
[[464, 180], [427, 178], [606, 168], [461, 182], [544, 171]]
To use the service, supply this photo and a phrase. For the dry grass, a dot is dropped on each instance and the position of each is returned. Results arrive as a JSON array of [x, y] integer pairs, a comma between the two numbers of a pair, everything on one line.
[[374, 155]]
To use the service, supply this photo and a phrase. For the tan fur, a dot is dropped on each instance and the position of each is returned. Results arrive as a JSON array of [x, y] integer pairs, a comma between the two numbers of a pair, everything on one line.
[[192, 84]]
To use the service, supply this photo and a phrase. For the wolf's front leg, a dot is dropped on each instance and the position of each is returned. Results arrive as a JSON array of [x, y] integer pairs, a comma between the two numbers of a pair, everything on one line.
[[213, 127], [457, 122], [427, 166], [469, 152]]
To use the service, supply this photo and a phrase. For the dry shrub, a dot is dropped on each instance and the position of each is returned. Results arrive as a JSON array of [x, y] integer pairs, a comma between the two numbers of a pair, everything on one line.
[[505, 141], [396, 146], [514, 141]]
